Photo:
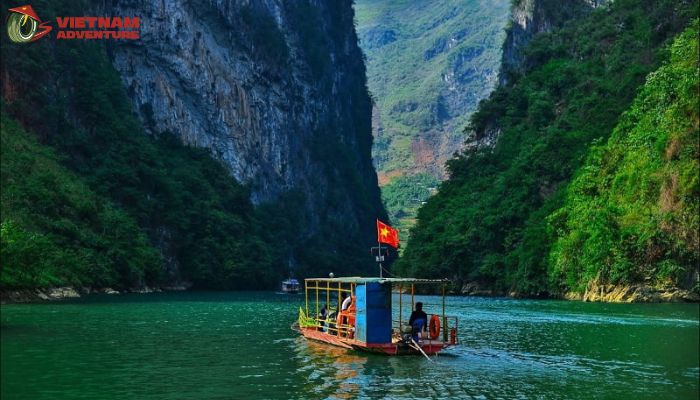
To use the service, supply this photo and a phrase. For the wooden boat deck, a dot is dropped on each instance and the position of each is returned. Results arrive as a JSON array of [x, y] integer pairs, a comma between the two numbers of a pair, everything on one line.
[[396, 347]]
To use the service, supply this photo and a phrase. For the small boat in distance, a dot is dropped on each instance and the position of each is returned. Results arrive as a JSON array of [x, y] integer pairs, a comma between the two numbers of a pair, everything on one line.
[[290, 286], [360, 314]]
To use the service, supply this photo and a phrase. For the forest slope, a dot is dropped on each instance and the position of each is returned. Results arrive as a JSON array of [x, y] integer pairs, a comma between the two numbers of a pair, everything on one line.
[[221, 174], [489, 222]]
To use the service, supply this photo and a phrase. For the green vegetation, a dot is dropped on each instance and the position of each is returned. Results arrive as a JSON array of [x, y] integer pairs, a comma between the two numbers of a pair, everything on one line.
[[110, 205], [410, 46], [58, 231], [490, 222], [632, 211], [404, 195], [90, 199], [55, 230], [428, 65]]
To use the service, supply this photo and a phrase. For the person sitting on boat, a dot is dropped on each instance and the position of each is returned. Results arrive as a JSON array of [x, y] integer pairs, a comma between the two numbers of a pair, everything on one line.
[[322, 316], [419, 321], [329, 326]]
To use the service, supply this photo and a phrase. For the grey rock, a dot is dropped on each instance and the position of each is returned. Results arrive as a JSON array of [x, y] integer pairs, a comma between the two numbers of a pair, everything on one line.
[[378, 37], [61, 293], [243, 80], [597, 291], [530, 17]]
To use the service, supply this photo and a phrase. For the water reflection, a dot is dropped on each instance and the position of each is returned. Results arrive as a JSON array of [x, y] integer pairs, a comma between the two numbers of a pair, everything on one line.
[[332, 371], [336, 373]]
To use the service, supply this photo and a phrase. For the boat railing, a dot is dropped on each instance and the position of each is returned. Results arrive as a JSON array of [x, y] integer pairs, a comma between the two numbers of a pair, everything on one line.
[[333, 328], [329, 293], [449, 328]]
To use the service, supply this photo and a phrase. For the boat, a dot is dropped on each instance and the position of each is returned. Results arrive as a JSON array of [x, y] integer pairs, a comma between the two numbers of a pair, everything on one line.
[[290, 286], [376, 318]]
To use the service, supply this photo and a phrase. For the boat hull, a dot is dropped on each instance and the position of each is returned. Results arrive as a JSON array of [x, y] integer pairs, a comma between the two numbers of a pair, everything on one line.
[[429, 347]]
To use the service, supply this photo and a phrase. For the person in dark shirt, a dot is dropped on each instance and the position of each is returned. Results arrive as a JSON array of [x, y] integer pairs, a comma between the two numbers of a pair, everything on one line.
[[322, 317], [418, 320]]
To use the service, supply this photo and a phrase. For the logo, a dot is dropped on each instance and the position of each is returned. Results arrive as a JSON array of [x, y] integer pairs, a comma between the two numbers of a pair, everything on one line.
[[23, 25]]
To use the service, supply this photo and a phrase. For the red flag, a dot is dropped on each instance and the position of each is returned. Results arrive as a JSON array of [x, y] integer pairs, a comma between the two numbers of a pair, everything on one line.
[[387, 234]]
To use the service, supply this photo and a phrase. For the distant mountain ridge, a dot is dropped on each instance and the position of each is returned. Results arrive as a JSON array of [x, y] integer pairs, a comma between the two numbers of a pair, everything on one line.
[[428, 65]]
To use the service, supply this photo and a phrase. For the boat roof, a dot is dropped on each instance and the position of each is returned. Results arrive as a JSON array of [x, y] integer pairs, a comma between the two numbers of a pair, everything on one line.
[[291, 280], [359, 279]]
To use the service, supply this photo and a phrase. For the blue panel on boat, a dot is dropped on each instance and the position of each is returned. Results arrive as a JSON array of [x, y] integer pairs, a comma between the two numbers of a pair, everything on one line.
[[373, 322], [361, 310]]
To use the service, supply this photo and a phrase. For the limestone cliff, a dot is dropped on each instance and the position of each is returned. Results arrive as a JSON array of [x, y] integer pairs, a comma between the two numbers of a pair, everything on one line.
[[528, 18], [276, 90], [640, 293]]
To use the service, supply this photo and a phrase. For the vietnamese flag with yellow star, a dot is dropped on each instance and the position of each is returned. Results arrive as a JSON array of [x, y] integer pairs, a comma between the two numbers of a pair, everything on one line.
[[387, 234]]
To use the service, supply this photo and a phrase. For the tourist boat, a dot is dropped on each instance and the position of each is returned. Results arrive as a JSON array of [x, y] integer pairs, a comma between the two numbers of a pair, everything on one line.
[[376, 319], [291, 286]]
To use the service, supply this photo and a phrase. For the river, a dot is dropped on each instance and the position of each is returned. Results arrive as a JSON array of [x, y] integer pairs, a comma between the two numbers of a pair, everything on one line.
[[239, 345]]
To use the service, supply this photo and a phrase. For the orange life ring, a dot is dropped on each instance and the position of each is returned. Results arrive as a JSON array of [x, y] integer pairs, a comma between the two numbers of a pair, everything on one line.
[[434, 327]]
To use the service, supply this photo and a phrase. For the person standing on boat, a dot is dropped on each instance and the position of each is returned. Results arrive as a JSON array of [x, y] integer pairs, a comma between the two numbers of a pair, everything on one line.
[[346, 317], [418, 320], [334, 316], [343, 296]]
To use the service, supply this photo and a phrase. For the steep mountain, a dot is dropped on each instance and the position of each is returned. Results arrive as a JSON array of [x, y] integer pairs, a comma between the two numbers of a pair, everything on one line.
[[527, 19], [217, 106], [428, 65], [530, 17], [277, 91], [488, 224], [632, 214], [45, 238]]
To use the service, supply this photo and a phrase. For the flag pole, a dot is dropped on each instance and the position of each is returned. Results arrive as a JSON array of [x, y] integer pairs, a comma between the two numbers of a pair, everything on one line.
[[380, 257], [379, 247]]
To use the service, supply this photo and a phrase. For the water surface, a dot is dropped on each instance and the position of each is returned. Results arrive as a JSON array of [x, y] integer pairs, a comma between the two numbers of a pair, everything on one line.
[[237, 345]]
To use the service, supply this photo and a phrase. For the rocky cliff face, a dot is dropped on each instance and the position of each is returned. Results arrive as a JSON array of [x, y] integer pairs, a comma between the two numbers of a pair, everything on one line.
[[598, 292], [275, 90], [528, 18], [203, 72]]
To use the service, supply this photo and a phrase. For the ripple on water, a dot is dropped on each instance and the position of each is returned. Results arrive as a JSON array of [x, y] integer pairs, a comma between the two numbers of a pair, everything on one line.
[[223, 345]]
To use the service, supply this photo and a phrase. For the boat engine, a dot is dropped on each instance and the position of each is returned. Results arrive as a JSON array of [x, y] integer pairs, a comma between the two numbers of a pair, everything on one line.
[[406, 333]]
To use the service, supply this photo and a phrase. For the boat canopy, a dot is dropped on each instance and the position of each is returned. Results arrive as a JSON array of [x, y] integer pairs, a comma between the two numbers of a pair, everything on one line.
[[361, 280], [371, 320]]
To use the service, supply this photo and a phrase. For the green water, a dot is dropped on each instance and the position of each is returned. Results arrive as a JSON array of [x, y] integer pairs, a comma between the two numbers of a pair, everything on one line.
[[239, 346]]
